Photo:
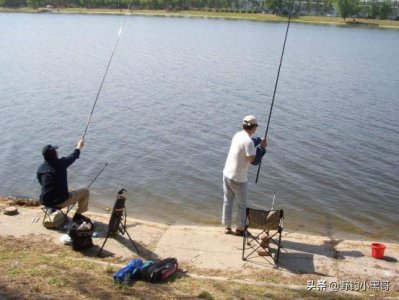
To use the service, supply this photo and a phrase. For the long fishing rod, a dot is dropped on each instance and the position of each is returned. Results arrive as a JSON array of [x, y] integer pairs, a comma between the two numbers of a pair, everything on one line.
[[275, 85], [106, 71], [98, 174]]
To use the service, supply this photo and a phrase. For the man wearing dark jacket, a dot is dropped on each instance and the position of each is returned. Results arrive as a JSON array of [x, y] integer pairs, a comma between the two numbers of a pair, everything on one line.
[[52, 176]]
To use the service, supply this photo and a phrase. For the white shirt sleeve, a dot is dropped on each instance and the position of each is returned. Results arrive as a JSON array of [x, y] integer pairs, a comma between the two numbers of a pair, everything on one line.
[[249, 147]]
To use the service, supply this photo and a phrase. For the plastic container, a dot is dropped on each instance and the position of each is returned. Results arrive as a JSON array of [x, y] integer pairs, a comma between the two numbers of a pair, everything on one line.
[[377, 250], [65, 239]]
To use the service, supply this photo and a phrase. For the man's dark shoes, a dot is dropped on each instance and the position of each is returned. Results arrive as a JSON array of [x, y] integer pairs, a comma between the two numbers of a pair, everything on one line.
[[239, 232], [228, 230], [79, 219]]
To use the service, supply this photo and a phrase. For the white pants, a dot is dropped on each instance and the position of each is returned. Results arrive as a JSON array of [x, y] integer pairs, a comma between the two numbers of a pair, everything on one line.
[[238, 191]]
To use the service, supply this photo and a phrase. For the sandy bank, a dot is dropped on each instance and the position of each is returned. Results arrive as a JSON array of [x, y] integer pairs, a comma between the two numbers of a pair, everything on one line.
[[207, 251]]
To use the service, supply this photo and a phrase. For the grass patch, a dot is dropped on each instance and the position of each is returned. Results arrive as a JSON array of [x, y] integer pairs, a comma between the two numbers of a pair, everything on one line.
[[35, 268], [205, 295]]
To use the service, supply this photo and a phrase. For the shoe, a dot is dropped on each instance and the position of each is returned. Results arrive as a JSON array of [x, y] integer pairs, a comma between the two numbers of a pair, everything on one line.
[[264, 244], [265, 238], [79, 218], [263, 252], [228, 230], [265, 241], [239, 232]]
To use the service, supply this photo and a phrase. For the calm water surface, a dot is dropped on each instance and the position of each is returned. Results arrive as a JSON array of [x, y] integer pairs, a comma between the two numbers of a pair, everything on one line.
[[176, 93]]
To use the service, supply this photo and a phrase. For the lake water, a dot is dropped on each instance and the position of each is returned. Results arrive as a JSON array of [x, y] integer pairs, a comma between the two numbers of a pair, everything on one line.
[[176, 93]]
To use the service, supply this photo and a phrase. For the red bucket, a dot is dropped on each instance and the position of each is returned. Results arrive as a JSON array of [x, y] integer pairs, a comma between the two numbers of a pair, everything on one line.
[[377, 250]]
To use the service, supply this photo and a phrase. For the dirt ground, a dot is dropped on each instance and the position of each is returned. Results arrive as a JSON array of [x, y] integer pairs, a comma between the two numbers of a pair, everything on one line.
[[312, 263]]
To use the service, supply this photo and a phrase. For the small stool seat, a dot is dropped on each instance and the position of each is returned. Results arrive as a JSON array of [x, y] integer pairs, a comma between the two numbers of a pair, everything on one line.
[[49, 210]]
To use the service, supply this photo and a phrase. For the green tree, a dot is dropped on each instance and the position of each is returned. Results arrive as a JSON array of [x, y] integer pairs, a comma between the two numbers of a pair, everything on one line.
[[318, 6], [327, 5], [155, 4], [275, 5], [347, 8], [375, 9], [308, 6], [33, 3], [385, 9], [12, 3]]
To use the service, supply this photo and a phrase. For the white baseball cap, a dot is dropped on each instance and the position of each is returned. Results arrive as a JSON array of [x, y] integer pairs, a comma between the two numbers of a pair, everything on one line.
[[250, 120]]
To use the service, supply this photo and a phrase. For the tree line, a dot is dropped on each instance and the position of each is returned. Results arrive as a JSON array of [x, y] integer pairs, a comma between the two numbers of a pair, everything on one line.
[[374, 9]]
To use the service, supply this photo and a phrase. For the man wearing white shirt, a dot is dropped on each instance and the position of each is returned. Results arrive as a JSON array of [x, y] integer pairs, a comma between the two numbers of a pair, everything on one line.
[[243, 152]]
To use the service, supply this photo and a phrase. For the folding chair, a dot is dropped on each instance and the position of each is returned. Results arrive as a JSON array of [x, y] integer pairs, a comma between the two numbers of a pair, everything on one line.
[[48, 210], [270, 223], [117, 222]]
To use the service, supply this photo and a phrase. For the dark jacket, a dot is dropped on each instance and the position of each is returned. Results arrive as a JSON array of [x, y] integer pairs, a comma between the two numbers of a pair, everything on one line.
[[53, 178]]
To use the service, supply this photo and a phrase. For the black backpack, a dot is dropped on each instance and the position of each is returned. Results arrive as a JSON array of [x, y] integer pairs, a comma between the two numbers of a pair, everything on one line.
[[160, 270]]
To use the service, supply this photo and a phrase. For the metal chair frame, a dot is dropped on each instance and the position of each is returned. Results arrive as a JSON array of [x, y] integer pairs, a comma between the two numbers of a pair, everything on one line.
[[272, 231], [48, 210]]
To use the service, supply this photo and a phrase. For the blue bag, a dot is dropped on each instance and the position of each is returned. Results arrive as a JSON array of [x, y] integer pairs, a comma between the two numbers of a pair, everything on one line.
[[129, 272]]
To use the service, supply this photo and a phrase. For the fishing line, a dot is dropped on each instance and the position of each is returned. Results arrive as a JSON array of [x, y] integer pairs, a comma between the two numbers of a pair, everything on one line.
[[98, 174], [106, 71], [275, 85]]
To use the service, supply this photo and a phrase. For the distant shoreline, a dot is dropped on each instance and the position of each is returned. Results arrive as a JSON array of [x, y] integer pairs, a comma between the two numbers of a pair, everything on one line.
[[336, 21]]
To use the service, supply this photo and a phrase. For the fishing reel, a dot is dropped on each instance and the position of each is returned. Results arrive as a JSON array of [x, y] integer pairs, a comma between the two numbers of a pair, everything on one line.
[[122, 194]]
